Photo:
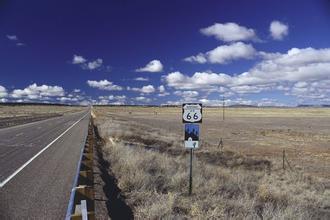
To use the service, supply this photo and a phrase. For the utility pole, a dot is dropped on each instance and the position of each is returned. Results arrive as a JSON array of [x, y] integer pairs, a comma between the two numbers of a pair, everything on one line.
[[223, 108]]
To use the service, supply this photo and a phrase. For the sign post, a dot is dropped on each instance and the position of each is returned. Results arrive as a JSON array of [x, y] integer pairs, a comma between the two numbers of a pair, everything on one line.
[[191, 116]]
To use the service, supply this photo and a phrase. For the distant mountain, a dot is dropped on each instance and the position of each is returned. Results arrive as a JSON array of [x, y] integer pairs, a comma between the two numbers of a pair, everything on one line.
[[313, 106]]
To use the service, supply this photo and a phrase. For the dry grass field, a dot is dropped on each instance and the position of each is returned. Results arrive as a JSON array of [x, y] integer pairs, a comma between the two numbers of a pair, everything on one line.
[[244, 180], [11, 115], [28, 110]]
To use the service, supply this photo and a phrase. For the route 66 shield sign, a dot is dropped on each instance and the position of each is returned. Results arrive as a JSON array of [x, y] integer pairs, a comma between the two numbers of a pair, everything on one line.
[[192, 113]]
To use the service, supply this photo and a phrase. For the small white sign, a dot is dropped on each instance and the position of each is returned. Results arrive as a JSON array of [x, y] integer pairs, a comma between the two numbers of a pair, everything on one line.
[[192, 113], [191, 144]]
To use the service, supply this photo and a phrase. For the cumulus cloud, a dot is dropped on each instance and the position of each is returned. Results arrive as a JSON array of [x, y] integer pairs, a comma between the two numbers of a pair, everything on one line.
[[162, 91], [19, 44], [12, 37], [92, 65], [190, 94], [298, 72], [224, 54], [78, 59], [85, 64], [34, 91], [68, 99], [143, 99], [141, 79], [187, 96], [111, 100], [197, 81], [104, 85], [145, 89], [3, 92], [278, 30], [153, 67], [229, 32], [161, 88]]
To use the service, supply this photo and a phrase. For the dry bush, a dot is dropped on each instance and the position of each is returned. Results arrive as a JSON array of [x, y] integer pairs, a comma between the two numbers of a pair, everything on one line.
[[155, 181]]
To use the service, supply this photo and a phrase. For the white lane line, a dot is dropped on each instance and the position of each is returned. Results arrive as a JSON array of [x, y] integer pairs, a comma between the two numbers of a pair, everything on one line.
[[40, 152]]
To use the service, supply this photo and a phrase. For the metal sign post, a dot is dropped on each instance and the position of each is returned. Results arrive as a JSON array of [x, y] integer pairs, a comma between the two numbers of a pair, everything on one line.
[[191, 115], [190, 171]]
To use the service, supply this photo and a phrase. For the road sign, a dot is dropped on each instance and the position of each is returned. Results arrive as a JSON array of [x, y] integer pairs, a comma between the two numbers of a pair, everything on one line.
[[192, 113], [191, 136]]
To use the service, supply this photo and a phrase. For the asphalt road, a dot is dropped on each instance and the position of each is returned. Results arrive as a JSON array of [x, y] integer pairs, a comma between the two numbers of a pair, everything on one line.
[[37, 166]]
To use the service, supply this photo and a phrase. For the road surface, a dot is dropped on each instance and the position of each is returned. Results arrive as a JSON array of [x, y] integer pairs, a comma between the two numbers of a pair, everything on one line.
[[38, 162]]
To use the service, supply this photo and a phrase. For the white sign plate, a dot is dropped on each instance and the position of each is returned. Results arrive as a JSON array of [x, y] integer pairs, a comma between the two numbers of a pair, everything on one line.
[[192, 113], [191, 144]]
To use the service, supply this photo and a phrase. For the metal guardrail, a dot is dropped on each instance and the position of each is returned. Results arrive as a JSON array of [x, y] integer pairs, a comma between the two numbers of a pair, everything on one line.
[[81, 203]]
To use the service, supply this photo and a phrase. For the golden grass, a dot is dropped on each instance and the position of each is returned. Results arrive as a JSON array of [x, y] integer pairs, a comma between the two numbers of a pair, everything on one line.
[[152, 171], [27, 110]]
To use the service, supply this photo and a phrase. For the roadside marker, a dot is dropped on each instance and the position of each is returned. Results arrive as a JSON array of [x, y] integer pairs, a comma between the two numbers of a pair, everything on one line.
[[191, 116], [40, 152]]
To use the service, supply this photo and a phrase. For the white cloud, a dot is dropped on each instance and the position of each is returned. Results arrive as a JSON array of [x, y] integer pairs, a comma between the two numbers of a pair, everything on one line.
[[78, 59], [76, 90], [141, 79], [190, 94], [3, 92], [145, 89], [199, 58], [278, 30], [148, 89], [87, 65], [161, 89], [153, 67], [197, 81], [111, 100], [12, 37], [224, 54], [38, 92], [229, 32], [93, 64], [67, 99], [143, 99], [299, 72], [20, 44], [104, 85], [187, 96]]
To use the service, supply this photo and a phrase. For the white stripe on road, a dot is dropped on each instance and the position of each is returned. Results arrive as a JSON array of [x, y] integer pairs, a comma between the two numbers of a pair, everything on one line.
[[40, 152]]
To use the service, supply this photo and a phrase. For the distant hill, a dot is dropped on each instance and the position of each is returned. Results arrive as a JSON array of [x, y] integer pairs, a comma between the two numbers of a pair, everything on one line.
[[313, 106]]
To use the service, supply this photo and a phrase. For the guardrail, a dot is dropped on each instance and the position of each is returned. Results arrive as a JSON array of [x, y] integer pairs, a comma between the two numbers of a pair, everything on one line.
[[81, 204]]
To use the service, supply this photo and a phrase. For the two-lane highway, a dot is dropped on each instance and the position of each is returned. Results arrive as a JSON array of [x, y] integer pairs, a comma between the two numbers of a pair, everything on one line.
[[38, 162]]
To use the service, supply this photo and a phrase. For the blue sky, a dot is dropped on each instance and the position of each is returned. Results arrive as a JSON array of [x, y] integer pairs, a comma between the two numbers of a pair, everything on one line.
[[165, 52]]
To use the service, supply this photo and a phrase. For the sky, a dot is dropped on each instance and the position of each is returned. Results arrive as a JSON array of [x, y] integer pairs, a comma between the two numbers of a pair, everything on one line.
[[257, 52]]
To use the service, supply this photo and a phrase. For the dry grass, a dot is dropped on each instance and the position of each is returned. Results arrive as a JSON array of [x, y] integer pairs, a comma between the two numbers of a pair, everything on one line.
[[256, 132], [151, 167], [28, 110]]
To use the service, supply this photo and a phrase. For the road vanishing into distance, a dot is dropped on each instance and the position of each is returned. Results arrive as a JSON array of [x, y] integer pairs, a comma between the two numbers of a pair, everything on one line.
[[38, 163]]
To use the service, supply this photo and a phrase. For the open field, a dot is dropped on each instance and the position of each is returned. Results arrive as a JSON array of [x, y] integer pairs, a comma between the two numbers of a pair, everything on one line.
[[11, 115], [244, 180]]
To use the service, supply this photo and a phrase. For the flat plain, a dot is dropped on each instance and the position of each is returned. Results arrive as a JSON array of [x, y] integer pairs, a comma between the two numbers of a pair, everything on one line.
[[304, 133], [242, 178], [11, 115]]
